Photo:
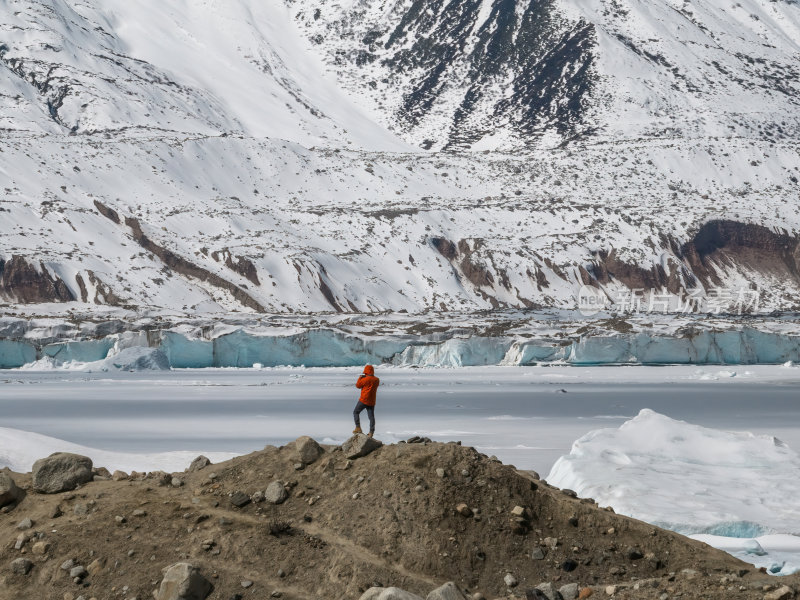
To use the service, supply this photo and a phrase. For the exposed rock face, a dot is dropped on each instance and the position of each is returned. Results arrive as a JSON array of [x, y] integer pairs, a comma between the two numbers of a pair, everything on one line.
[[609, 267], [360, 445], [722, 245], [9, 492], [182, 581], [238, 264], [718, 248], [184, 267], [446, 58], [60, 472], [22, 282]]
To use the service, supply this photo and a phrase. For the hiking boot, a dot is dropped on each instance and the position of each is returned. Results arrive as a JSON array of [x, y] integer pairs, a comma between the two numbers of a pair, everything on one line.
[[370, 434], [357, 430]]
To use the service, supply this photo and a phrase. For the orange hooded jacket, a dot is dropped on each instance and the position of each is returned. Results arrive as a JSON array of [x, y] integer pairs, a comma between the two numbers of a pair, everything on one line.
[[368, 384]]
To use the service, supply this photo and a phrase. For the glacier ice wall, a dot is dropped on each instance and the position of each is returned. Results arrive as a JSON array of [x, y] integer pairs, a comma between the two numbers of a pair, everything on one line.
[[330, 347]]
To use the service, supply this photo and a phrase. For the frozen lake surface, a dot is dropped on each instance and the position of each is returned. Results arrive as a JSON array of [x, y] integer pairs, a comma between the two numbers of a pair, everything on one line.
[[677, 466], [526, 416]]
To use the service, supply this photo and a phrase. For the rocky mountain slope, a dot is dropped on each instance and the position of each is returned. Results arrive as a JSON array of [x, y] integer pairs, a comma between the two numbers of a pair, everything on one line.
[[271, 157], [303, 522]]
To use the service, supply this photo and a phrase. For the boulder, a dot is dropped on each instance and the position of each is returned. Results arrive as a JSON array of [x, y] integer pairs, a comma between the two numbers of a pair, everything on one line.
[[201, 462], [390, 593], [782, 593], [275, 493], [359, 445], [60, 472], [569, 591], [9, 492], [448, 591], [183, 581], [21, 566], [549, 590], [240, 499], [40, 548], [307, 449]]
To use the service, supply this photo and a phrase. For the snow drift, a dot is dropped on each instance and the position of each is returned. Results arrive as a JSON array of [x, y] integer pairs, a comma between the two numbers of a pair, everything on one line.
[[693, 480], [20, 449]]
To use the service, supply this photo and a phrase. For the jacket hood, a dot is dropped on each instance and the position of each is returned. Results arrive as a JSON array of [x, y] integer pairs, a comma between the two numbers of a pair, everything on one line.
[[369, 370]]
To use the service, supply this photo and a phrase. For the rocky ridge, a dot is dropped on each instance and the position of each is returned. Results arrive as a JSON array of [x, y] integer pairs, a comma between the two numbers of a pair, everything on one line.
[[402, 521]]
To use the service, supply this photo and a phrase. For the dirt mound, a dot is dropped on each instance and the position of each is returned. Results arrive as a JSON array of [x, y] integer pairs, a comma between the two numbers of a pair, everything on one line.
[[407, 515]]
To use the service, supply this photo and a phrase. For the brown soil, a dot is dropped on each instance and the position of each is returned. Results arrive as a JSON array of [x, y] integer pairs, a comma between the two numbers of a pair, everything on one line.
[[387, 519]]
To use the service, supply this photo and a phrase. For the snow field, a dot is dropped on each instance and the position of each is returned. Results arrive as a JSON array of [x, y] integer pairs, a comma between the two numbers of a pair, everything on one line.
[[734, 490]]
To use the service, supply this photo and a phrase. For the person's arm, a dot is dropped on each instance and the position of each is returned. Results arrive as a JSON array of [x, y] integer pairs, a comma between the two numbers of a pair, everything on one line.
[[360, 382]]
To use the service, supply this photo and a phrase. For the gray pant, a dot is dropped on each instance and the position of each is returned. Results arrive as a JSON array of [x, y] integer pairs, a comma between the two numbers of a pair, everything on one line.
[[370, 413]]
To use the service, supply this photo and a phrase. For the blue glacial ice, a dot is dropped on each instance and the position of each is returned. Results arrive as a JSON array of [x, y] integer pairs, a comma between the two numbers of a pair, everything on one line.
[[187, 347]]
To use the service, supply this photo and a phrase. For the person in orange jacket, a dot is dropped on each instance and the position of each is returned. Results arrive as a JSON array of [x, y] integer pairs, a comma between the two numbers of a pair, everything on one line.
[[368, 384]]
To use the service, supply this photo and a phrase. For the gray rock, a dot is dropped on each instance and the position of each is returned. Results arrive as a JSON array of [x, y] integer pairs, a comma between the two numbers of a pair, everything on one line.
[[390, 593], [275, 493], [21, 566], [569, 591], [510, 580], [307, 450], [67, 564], [78, 572], [119, 476], [22, 539], [537, 553], [60, 472], [240, 499], [448, 591], [549, 590], [183, 581], [246, 583], [26, 523], [9, 492], [201, 462], [176, 482], [101, 472], [360, 445]]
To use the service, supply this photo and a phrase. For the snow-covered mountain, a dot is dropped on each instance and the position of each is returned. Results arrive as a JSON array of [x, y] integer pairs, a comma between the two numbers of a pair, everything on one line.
[[314, 156], [489, 73]]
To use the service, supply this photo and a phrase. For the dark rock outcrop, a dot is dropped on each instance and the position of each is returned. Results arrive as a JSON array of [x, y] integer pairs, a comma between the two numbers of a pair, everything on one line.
[[189, 269], [723, 245], [22, 282]]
